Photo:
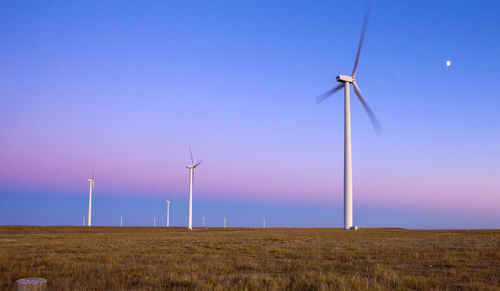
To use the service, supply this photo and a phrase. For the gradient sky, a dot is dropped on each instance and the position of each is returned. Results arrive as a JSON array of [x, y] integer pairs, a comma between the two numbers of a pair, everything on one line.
[[124, 86]]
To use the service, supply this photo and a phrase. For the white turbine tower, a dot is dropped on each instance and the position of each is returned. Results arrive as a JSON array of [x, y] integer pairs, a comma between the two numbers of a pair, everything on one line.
[[345, 83], [191, 178], [203, 222], [168, 213], [91, 182], [264, 222], [121, 221]]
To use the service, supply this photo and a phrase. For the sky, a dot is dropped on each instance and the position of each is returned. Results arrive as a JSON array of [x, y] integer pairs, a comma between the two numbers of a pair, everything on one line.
[[123, 87]]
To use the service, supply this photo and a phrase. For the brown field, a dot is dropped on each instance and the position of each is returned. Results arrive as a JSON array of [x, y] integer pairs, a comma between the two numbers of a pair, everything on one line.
[[113, 258]]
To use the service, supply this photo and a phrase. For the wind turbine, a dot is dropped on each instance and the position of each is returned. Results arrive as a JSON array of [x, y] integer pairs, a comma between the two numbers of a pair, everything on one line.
[[203, 222], [168, 213], [121, 221], [345, 82], [191, 178], [91, 182]]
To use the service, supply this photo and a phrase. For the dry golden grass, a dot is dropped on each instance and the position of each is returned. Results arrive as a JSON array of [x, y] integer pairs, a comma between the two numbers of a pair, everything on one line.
[[113, 258]]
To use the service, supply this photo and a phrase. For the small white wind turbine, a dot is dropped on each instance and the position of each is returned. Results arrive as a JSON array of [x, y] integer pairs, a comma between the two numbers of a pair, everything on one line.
[[345, 83], [224, 222], [91, 182], [121, 221], [264, 222], [168, 213], [191, 168], [203, 223]]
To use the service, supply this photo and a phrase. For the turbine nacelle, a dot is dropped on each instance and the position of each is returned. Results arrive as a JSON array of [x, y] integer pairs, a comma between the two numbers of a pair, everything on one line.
[[345, 79], [193, 166]]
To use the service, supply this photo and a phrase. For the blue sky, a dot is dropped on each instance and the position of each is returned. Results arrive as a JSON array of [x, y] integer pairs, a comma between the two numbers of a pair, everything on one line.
[[123, 87]]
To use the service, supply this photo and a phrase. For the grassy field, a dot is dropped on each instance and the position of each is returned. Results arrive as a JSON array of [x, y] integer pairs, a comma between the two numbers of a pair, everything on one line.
[[104, 258]]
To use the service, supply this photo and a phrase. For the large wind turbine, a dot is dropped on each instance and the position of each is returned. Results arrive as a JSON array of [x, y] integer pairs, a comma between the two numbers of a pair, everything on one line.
[[191, 178], [345, 83], [91, 182]]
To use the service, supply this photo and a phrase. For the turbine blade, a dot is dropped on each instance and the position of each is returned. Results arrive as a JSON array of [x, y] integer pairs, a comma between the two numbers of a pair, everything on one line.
[[191, 154], [363, 30], [197, 164], [373, 119], [325, 96]]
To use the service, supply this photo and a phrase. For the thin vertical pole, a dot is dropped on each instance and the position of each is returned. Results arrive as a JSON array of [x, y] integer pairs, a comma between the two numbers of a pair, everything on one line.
[[91, 182], [168, 213], [347, 160], [190, 225]]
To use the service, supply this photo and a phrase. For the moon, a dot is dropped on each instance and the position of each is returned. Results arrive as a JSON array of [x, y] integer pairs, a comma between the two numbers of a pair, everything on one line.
[[448, 63]]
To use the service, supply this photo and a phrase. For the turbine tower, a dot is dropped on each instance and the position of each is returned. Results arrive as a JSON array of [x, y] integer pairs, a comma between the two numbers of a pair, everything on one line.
[[345, 82], [91, 182], [168, 213], [121, 221], [191, 168]]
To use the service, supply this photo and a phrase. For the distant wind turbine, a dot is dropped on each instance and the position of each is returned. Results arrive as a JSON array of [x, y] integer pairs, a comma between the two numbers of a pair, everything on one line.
[[168, 213], [191, 168], [91, 182], [345, 83], [264, 222], [224, 222], [203, 222], [121, 221], [154, 221]]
